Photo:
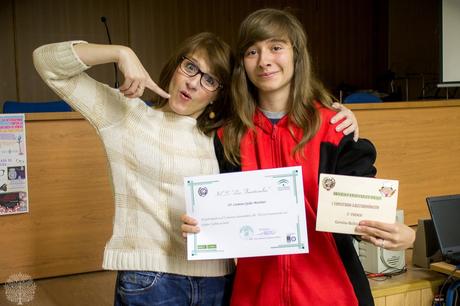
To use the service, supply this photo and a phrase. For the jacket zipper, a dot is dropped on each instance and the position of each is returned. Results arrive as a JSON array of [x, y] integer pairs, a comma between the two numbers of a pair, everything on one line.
[[284, 259], [275, 147]]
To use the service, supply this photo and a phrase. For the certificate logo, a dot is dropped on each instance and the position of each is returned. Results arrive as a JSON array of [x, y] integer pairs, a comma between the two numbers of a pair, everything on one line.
[[328, 183], [291, 238], [283, 184], [387, 190], [246, 232], [202, 191]]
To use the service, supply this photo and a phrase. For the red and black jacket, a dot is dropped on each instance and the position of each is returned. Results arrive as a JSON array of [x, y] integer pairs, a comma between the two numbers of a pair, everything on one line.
[[331, 273]]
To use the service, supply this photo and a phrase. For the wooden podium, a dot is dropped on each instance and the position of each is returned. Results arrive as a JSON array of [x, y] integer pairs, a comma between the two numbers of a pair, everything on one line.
[[70, 201]]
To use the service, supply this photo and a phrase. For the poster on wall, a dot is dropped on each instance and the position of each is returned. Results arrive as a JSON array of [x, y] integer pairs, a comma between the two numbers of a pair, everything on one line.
[[13, 165]]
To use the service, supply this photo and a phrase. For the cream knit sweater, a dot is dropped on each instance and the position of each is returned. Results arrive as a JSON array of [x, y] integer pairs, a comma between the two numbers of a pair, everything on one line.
[[149, 153]]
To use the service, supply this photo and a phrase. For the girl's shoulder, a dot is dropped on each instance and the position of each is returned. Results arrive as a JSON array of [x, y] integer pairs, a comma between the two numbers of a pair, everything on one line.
[[327, 129], [324, 111]]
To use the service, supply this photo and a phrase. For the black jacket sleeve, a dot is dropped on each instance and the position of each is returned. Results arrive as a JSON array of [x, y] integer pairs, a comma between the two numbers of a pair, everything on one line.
[[349, 157], [357, 159], [354, 269], [224, 165]]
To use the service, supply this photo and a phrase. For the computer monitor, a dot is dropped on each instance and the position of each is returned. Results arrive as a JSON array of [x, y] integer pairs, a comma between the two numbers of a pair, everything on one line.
[[445, 213]]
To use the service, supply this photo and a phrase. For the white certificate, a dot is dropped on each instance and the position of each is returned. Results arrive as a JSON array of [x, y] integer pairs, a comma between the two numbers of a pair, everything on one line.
[[343, 201], [244, 214]]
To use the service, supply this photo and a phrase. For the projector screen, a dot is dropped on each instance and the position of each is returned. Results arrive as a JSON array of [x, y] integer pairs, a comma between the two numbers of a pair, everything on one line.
[[450, 42]]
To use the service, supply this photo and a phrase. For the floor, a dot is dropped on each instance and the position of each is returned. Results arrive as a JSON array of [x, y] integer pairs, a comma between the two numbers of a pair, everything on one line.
[[88, 289]]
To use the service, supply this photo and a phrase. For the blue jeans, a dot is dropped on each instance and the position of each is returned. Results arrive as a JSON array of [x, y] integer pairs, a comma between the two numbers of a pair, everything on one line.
[[144, 288]]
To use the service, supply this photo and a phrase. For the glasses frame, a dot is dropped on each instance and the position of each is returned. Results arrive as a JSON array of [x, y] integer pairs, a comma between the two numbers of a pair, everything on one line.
[[201, 73]]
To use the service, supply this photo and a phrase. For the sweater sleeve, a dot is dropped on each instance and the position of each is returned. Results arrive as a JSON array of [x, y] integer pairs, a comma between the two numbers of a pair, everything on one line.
[[61, 69]]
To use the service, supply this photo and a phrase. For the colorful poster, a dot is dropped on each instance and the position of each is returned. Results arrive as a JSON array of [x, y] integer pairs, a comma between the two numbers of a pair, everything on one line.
[[13, 165]]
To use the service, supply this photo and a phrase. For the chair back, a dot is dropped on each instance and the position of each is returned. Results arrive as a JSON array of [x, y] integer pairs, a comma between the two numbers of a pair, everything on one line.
[[362, 97], [36, 107]]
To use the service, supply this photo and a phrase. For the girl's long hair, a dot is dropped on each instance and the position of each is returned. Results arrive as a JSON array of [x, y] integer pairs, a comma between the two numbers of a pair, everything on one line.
[[305, 91]]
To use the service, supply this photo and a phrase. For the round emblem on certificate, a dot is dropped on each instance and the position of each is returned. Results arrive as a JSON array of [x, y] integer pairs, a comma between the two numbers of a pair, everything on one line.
[[202, 191], [328, 183], [246, 232]]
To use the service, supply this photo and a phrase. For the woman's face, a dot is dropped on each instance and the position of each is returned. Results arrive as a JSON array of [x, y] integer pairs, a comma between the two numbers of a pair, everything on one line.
[[269, 65], [188, 96]]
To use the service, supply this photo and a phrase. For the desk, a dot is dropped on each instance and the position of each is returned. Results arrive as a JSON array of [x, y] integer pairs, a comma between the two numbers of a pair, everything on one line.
[[445, 268], [417, 287], [414, 288]]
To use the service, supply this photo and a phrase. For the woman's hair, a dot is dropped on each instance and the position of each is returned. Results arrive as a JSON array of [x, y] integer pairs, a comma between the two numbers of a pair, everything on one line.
[[219, 58], [305, 91]]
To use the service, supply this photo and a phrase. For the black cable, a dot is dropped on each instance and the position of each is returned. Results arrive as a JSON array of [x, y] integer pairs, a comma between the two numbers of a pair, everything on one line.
[[104, 21], [440, 295]]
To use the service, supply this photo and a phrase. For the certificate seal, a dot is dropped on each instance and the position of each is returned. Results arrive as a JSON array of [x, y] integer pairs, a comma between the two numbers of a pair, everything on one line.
[[328, 183], [246, 232], [202, 191]]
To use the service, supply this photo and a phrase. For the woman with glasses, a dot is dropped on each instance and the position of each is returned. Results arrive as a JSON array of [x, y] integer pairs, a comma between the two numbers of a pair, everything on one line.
[[150, 150]]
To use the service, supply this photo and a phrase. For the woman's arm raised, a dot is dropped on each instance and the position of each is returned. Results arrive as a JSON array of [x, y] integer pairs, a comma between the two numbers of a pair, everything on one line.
[[136, 78]]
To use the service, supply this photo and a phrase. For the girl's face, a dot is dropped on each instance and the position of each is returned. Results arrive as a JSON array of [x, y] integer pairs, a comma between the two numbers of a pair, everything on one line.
[[188, 96], [269, 65]]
